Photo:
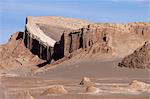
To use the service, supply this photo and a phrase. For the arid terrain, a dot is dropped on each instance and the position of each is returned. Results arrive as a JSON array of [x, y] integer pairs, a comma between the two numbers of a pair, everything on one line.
[[113, 59]]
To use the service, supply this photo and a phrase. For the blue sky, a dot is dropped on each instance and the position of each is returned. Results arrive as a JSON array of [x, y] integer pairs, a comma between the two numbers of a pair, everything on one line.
[[13, 12]]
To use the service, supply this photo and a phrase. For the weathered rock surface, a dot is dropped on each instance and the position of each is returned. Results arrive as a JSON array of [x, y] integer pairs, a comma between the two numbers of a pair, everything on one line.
[[15, 58], [114, 39], [44, 35], [21, 56], [140, 58], [76, 37]]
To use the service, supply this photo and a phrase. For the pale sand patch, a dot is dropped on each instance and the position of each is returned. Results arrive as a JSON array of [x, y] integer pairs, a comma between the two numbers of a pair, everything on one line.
[[56, 89]]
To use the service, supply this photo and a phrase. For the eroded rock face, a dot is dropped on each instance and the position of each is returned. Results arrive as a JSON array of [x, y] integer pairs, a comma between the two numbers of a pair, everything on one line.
[[73, 37], [57, 89], [117, 39], [90, 38], [15, 58], [25, 95], [140, 58], [44, 35]]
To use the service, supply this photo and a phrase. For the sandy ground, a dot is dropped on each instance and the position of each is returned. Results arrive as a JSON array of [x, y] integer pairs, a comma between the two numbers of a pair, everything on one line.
[[105, 73]]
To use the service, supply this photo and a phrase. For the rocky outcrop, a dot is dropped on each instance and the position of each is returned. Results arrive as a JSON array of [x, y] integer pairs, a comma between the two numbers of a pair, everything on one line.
[[66, 37], [45, 38], [86, 82], [90, 38], [140, 58], [51, 40], [16, 58], [108, 39], [113, 39]]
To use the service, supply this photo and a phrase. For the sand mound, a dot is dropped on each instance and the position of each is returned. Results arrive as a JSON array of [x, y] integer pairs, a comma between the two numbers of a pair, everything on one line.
[[16, 58], [92, 89], [139, 86], [140, 58], [57, 89], [86, 82]]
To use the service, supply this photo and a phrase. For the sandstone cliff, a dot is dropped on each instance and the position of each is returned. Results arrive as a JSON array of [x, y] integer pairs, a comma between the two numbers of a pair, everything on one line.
[[115, 39], [44, 37], [21, 54]]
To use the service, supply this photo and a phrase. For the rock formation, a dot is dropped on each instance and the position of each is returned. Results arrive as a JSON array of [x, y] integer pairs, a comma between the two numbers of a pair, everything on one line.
[[89, 85], [28, 50], [88, 39], [140, 58], [16, 58], [86, 82], [44, 35], [139, 86], [51, 40], [112, 39]]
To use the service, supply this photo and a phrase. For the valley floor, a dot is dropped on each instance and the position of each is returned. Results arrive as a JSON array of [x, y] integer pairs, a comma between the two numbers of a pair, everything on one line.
[[113, 81]]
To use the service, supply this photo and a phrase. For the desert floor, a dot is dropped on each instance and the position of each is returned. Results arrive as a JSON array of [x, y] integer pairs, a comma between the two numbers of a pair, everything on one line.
[[113, 81]]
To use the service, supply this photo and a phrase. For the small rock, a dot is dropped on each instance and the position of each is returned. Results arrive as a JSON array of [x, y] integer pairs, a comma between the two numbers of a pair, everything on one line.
[[86, 82], [138, 85]]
